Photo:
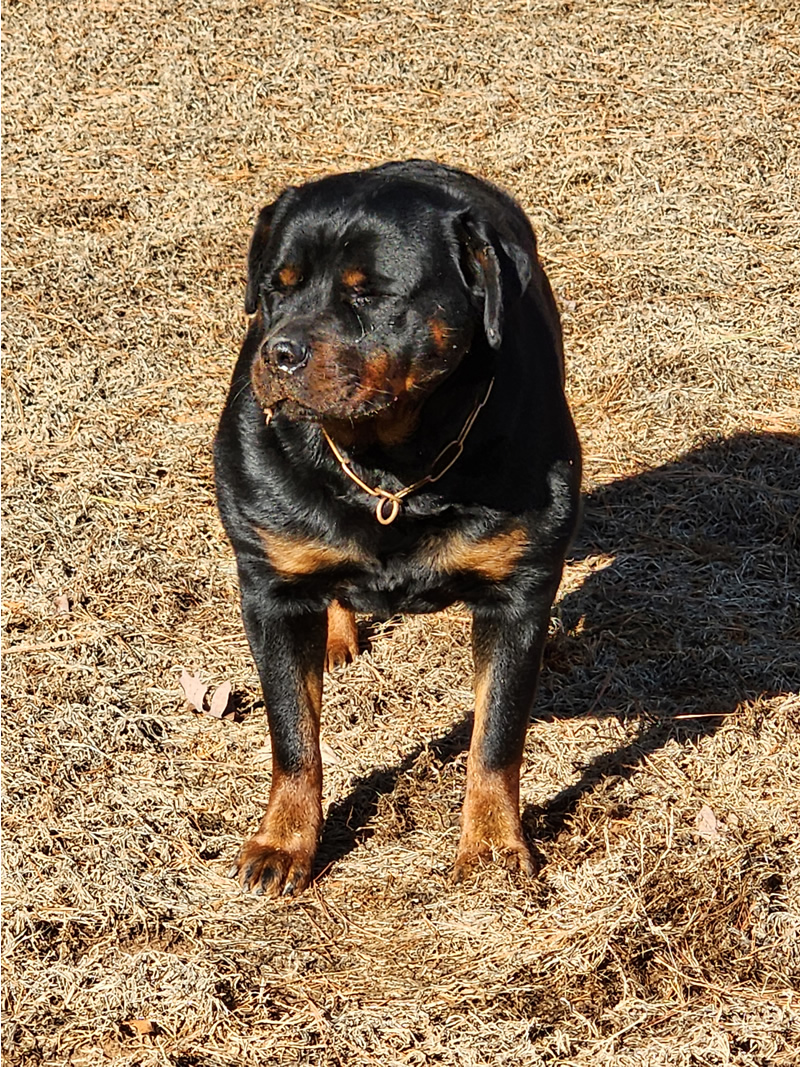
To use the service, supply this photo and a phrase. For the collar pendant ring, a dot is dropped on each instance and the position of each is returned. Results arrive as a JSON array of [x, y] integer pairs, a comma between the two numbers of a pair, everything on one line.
[[380, 510]]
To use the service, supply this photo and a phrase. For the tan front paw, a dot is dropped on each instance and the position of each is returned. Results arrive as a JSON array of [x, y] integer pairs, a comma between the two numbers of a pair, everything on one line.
[[266, 868], [491, 828], [513, 855]]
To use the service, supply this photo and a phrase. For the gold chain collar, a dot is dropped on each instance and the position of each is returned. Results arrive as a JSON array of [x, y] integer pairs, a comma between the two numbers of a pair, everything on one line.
[[395, 500]]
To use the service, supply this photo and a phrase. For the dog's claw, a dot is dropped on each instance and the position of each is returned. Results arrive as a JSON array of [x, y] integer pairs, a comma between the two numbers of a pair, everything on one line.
[[267, 870]]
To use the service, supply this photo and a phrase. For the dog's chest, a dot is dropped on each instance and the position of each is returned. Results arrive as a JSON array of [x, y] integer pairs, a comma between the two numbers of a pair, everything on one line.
[[400, 574]]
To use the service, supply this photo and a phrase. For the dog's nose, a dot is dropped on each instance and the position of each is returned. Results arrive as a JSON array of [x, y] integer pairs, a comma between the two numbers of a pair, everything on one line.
[[288, 354]]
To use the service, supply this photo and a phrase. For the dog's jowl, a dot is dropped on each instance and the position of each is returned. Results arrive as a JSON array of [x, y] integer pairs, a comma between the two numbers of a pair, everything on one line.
[[396, 438]]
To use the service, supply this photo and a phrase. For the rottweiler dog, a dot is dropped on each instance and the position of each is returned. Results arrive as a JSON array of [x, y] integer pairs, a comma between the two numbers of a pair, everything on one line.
[[396, 438]]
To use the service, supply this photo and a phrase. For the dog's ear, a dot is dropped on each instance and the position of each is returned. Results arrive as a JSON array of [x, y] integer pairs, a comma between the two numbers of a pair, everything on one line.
[[256, 257], [494, 266]]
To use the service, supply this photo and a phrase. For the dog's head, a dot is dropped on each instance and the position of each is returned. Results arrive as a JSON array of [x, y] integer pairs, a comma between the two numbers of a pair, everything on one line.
[[368, 290]]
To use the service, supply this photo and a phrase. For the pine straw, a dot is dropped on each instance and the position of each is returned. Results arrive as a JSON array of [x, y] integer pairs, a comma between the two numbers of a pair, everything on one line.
[[656, 147]]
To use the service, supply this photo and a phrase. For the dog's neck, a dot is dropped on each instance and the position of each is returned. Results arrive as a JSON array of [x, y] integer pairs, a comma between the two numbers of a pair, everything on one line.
[[409, 436]]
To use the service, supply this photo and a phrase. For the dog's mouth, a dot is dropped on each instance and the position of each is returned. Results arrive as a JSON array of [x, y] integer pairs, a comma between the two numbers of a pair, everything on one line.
[[323, 382], [348, 410]]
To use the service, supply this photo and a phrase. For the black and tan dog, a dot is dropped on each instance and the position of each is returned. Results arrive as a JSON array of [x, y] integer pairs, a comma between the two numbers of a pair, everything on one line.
[[396, 438]]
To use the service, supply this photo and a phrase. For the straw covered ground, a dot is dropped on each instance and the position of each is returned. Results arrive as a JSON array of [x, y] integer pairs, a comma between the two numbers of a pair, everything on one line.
[[655, 146]]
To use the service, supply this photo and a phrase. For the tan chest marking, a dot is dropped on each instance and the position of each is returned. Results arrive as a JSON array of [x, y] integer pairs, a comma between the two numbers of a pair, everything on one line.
[[493, 558], [294, 557]]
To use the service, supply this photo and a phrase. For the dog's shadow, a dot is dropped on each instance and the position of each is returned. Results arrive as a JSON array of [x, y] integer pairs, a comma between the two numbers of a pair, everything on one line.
[[690, 606]]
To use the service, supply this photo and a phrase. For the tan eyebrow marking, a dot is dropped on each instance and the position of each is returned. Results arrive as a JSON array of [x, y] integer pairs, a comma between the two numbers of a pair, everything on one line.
[[289, 275], [352, 276]]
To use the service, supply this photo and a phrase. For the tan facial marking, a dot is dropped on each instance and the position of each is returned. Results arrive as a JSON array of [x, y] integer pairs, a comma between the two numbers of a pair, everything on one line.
[[352, 277], [397, 425], [410, 381], [376, 368], [265, 387], [289, 275], [440, 332]]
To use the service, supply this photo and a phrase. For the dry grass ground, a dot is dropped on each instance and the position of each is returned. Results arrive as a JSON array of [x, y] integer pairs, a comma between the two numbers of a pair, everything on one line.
[[656, 148]]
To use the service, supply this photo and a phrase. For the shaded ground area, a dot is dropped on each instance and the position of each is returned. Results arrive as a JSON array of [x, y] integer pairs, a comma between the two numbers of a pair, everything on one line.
[[656, 148]]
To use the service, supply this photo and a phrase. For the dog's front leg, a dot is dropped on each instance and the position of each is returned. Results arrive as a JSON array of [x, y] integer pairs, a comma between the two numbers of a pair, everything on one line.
[[507, 654], [289, 650]]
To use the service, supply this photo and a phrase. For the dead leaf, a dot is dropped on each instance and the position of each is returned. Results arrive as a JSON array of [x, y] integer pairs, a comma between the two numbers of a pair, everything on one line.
[[707, 825], [194, 689], [143, 1027], [220, 701], [61, 604], [329, 757]]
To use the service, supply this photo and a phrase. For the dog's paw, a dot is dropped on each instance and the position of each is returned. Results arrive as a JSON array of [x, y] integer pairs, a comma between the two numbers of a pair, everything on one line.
[[514, 856], [339, 653], [342, 646], [263, 868]]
